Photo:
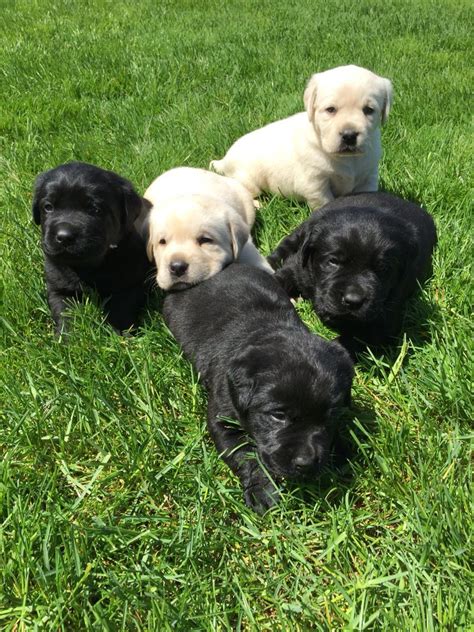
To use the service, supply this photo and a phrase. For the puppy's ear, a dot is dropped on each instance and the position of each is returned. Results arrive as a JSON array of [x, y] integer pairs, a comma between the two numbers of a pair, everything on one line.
[[149, 244], [307, 249], [309, 97], [239, 234], [241, 383], [37, 196], [408, 255], [310, 242], [388, 98], [132, 205], [149, 250]]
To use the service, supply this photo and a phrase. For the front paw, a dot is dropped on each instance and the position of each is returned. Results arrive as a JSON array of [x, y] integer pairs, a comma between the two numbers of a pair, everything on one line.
[[261, 493], [61, 328]]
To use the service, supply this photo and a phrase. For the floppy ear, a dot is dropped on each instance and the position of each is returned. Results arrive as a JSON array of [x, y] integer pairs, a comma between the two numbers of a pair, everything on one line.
[[149, 250], [149, 245], [309, 246], [309, 97], [306, 250], [132, 205], [241, 382], [37, 195], [311, 239], [409, 254], [388, 97], [239, 234]]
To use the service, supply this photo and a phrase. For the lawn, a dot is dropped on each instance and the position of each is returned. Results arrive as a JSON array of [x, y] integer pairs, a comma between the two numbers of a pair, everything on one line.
[[116, 512]]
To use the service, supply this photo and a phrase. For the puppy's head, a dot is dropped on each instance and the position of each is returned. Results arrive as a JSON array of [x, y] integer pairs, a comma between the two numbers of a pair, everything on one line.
[[288, 396], [346, 105], [354, 260], [83, 211], [192, 237]]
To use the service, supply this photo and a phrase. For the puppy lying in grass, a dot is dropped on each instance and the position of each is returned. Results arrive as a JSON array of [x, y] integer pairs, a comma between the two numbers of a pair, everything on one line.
[[332, 149], [199, 222], [358, 259], [274, 388], [87, 219]]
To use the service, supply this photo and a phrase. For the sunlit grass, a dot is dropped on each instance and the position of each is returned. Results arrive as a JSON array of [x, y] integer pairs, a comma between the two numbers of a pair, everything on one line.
[[116, 512]]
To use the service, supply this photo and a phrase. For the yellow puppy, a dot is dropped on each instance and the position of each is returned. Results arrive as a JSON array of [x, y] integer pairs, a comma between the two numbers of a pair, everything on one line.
[[332, 149], [198, 223]]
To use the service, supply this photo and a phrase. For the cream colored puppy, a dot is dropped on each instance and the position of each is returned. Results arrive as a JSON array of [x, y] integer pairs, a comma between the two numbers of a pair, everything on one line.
[[332, 149], [198, 223]]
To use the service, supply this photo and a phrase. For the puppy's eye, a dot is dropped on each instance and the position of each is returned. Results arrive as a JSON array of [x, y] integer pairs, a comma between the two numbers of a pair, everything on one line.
[[333, 262], [367, 110], [96, 209], [331, 109], [48, 207], [162, 242], [204, 240], [279, 416]]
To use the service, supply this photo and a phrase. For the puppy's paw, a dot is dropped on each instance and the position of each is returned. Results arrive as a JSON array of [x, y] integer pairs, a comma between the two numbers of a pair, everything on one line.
[[257, 204], [216, 166], [261, 494], [62, 329]]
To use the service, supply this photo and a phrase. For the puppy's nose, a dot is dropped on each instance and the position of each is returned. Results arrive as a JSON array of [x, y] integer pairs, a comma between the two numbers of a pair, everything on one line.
[[178, 268], [353, 298], [303, 461], [64, 234], [349, 137]]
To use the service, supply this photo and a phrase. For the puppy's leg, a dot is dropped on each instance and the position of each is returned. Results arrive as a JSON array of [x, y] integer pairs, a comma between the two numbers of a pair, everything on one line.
[[57, 304], [234, 447], [62, 285], [123, 308], [320, 194], [368, 184]]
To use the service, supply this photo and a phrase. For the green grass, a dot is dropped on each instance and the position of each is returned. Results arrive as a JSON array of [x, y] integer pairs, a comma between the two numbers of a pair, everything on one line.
[[116, 512]]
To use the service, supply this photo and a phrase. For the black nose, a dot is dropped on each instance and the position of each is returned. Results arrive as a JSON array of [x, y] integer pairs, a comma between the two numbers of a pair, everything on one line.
[[349, 137], [353, 298], [64, 234], [303, 462], [178, 268]]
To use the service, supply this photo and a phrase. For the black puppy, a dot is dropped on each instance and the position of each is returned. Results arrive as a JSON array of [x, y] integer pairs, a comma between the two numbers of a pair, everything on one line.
[[88, 239], [358, 259], [274, 388]]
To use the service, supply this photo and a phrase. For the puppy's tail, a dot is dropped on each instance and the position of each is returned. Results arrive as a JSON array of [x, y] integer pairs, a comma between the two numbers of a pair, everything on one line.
[[217, 166]]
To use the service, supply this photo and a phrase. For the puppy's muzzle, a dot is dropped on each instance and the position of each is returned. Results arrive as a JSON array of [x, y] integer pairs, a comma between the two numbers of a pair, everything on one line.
[[178, 268]]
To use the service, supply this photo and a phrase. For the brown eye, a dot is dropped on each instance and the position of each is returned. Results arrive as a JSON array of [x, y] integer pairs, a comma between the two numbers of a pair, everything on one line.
[[162, 242], [367, 110], [331, 109], [204, 240], [48, 207]]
